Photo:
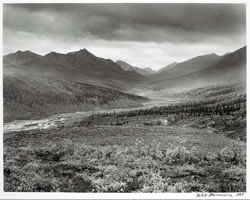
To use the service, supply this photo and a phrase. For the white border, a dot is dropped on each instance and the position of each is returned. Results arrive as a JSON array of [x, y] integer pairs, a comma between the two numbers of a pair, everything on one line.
[[41, 195]]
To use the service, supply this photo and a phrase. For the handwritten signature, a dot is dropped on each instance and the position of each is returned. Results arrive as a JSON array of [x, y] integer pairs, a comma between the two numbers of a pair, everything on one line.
[[202, 195]]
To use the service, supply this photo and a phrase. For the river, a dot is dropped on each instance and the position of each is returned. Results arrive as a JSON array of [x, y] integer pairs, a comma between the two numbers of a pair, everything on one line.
[[64, 118]]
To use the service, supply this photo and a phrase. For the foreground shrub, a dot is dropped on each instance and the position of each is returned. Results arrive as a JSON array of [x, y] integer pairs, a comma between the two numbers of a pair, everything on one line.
[[68, 167], [233, 153]]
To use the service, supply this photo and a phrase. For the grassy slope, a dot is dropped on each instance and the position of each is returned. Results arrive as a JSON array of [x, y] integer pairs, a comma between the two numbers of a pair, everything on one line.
[[112, 159], [139, 155], [32, 97]]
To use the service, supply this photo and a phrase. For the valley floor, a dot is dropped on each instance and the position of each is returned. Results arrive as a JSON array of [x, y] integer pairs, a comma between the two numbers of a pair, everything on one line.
[[190, 147]]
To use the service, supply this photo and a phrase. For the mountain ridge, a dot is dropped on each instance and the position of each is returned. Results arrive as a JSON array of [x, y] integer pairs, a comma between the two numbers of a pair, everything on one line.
[[229, 68], [127, 67], [79, 65], [20, 57], [167, 67], [194, 64]]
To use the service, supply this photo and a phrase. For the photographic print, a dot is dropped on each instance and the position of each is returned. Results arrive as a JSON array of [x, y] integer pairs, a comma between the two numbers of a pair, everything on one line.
[[124, 98]]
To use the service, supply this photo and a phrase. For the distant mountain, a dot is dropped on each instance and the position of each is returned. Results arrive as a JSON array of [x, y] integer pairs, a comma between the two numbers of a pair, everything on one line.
[[230, 68], [180, 69], [167, 67], [234, 59], [81, 66], [149, 70], [127, 67], [36, 86], [21, 57]]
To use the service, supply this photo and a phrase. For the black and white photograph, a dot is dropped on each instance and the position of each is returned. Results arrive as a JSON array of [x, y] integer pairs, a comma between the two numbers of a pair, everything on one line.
[[124, 98]]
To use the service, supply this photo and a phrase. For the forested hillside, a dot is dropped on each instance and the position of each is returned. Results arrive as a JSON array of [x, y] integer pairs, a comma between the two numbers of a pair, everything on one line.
[[222, 107], [25, 99]]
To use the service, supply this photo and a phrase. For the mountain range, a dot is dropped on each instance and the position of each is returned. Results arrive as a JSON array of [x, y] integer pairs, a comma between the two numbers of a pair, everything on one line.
[[189, 66], [63, 82], [127, 67], [36, 85], [202, 71]]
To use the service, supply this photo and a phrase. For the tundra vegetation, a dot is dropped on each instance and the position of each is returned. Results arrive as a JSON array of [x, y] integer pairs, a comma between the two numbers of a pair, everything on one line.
[[197, 146]]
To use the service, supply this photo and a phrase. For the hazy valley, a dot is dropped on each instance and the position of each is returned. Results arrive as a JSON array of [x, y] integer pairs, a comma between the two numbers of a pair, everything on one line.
[[80, 123]]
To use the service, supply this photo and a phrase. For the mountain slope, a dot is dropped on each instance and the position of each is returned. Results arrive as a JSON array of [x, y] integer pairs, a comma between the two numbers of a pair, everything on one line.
[[192, 65], [26, 98], [231, 60], [231, 68], [167, 67], [36, 86], [81, 66], [21, 57], [127, 67]]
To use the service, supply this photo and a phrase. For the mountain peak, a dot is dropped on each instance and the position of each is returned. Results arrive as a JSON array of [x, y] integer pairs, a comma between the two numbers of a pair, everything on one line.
[[81, 52], [205, 56], [148, 69], [20, 57], [120, 61], [53, 54], [19, 52], [85, 51]]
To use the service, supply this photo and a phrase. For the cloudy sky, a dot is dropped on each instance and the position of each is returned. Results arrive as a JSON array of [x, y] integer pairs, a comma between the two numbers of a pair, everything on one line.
[[144, 35]]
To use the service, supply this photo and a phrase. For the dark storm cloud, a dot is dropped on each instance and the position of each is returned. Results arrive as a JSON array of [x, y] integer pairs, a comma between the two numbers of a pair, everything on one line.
[[144, 35], [127, 22]]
